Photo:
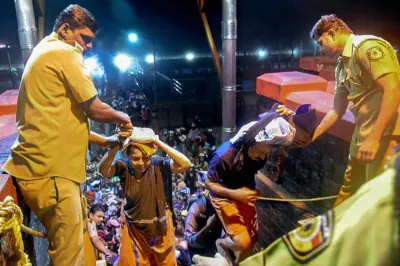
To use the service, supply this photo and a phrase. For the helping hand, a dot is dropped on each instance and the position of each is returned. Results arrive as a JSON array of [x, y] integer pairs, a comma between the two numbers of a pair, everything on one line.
[[125, 126], [124, 129], [367, 151], [283, 110]]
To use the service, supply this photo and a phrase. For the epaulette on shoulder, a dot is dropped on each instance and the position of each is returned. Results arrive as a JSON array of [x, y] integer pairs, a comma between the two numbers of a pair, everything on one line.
[[359, 40]]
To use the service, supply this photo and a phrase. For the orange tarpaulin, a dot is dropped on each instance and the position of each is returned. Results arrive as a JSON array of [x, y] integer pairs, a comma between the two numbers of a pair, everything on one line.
[[8, 134]]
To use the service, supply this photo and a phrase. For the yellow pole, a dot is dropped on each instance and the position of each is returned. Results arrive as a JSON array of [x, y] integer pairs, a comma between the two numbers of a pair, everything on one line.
[[210, 40]]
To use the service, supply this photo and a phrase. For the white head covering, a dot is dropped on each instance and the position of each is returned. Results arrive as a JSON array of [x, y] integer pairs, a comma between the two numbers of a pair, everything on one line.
[[277, 132], [142, 138]]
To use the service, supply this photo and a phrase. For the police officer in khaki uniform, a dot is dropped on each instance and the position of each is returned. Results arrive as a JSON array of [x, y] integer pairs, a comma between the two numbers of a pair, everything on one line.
[[56, 98], [367, 74]]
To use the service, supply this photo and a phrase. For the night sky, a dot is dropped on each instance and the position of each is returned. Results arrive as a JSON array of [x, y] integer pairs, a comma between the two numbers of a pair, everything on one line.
[[177, 27]]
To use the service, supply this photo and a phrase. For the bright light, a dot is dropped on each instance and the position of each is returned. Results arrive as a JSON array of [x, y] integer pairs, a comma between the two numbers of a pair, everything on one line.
[[190, 56], [261, 53], [295, 52], [150, 59], [91, 63], [132, 37], [123, 62], [98, 72], [94, 67]]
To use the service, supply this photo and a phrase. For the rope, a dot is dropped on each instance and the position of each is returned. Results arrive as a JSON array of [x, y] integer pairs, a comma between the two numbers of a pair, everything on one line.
[[32, 232], [11, 219], [297, 200]]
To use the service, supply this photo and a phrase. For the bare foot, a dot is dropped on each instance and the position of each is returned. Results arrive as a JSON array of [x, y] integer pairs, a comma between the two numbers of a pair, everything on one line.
[[223, 252], [218, 260]]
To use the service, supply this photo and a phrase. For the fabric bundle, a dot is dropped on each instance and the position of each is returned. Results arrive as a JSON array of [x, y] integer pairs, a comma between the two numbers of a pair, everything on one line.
[[276, 130], [270, 129], [141, 133]]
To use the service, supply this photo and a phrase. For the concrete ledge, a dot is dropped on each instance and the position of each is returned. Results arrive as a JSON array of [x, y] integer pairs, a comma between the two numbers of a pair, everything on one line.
[[331, 87], [312, 62], [278, 85], [323, 103], [328, 73], [7, 188], [8, 134], [8, 102]]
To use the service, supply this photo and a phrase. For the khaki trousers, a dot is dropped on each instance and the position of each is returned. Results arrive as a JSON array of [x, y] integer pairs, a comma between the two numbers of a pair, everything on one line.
[[56, 202], [357, 174]]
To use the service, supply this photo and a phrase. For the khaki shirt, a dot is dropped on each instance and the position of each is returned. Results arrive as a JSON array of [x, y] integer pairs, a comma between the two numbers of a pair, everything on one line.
[[53, 127], [360, 231], [365, 58]]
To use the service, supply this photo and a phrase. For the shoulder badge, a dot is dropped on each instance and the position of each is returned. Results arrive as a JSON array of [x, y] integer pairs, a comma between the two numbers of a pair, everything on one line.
[[375, 53], [309, 240]]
